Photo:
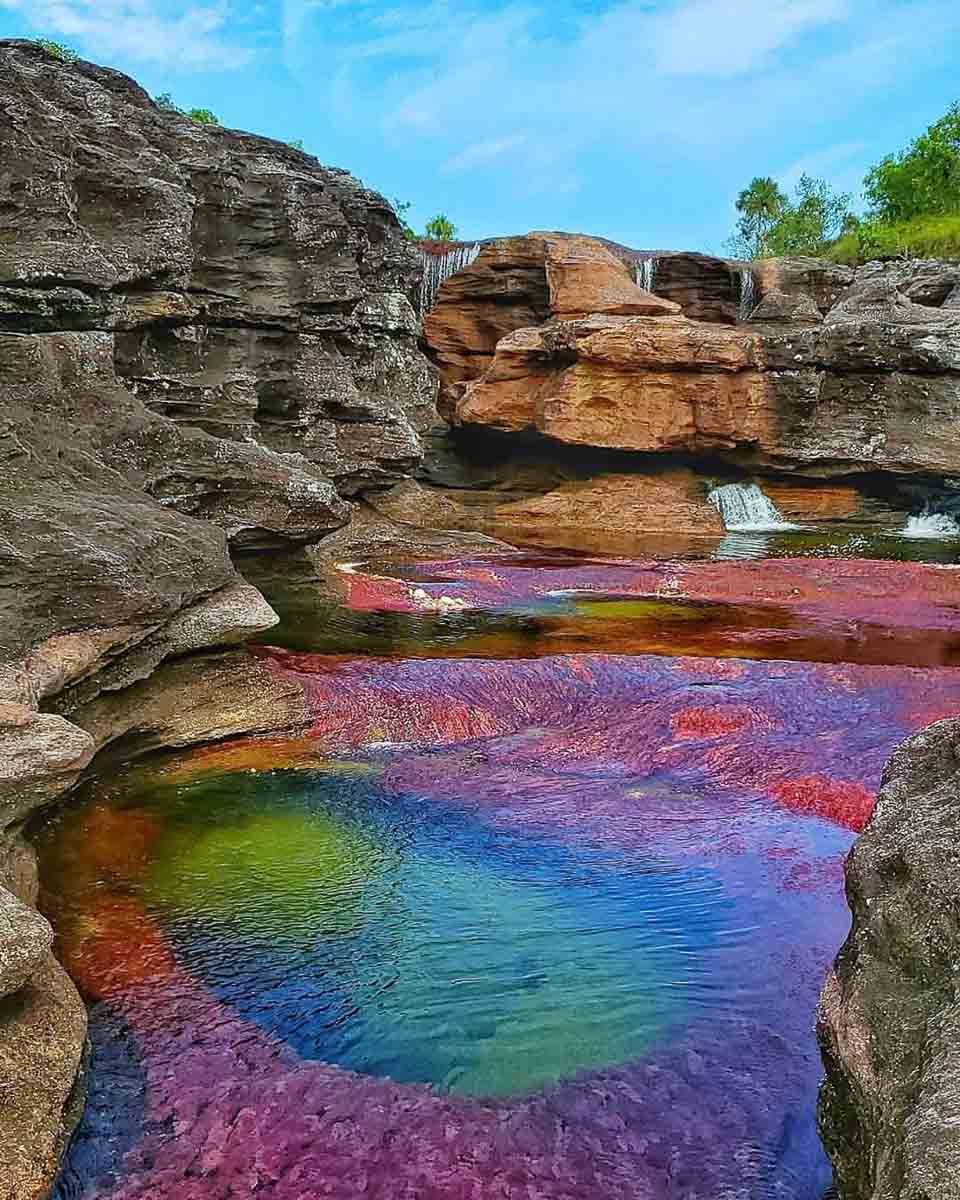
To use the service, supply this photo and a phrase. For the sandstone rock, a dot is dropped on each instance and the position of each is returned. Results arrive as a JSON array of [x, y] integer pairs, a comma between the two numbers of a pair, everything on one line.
[[42, 1032], [25, 941], [865, 390], [252, 291], [817, 279], [779, 306], [823, 502], [41, 756], [584, 279], [620, 383], [520, 282], [705, 288], [889, 1021], [606, 514], [928, 281], [203, 698]]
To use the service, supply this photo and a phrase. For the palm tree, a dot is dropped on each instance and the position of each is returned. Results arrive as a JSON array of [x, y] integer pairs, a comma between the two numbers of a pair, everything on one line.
[[760, 206], [441, 229]]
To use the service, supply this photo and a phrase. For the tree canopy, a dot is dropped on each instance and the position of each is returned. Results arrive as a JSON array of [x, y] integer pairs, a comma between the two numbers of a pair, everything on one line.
[[922, 180], [913, 203], [772, 223], [441, 229]]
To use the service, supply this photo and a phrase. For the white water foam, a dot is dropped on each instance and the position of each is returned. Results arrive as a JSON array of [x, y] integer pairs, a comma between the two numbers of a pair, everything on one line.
[[931, 525], [645, 272], [745, 509]]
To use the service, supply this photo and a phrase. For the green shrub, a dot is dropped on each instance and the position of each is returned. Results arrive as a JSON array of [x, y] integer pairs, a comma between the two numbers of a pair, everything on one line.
[[923, 237], [203, 116], [771, 223], [57, 50]]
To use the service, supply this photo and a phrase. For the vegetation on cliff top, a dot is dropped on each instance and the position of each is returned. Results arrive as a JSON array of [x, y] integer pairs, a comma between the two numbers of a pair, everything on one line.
[[913, 201]]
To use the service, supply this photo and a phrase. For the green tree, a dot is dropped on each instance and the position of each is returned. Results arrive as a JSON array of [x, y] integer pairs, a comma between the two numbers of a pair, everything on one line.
[[57, 49], [203, 116], [166, 103], [924, 179], [810, 222], [441, 229], [761, 205], [774, 224]]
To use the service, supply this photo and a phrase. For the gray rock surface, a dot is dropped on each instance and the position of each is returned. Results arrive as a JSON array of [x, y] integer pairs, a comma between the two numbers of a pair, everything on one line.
[[889, 1021], [206, 342]]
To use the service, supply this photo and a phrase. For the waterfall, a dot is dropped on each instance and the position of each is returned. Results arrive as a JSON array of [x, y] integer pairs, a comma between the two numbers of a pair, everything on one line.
[[745, 509], [748, 293], [645, 272], [437, 268], [930, 524]]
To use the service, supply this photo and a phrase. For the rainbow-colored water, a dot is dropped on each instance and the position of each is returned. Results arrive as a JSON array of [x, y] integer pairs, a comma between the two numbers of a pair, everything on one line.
[[518, 917]]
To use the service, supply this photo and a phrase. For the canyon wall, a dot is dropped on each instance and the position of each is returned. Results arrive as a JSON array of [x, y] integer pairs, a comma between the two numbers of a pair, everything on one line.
[[566, 385], [207, 344]]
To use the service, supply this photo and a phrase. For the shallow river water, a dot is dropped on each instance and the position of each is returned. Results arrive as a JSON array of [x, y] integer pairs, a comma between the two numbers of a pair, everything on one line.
[[538, 907]]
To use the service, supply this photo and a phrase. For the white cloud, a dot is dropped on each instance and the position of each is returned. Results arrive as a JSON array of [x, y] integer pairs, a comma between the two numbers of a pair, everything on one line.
[[733, 37], [164, 32], [655, 82], [481, 154]]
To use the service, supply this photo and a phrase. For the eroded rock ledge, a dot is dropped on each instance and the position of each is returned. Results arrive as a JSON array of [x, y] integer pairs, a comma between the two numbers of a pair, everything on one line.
[[206, 344], [889, 1019]]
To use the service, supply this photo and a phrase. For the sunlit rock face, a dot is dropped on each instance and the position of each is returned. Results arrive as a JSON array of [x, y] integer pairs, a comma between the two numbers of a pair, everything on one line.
[[867, 390], [829, 371], [519, 282]]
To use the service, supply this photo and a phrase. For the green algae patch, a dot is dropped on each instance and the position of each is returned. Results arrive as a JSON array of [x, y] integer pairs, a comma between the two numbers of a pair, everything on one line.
[[660, 611], [291, 875]]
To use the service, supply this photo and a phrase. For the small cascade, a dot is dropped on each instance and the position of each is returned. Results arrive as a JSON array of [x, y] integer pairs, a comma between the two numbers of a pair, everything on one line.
[[645, 272], [437, 268], [748, 293], [930, 524], [745, 509]]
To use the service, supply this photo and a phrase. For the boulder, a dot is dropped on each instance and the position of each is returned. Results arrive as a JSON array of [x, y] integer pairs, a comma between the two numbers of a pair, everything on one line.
[[889, 1020], [519, 282], [816, 279], [781, 307], [876, 386], [706, 288]]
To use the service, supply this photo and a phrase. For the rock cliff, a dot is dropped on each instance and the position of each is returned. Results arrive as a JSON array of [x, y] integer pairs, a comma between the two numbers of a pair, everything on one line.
[[206, 343], [872, 385], [889, 1019]]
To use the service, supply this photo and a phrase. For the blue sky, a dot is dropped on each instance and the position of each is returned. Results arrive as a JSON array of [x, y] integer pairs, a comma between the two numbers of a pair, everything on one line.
[[637, 120]]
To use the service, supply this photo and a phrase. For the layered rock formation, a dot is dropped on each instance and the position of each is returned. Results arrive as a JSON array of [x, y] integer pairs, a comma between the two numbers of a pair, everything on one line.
[[889, 1019], [520, 282], [206, 342], [872, 386]]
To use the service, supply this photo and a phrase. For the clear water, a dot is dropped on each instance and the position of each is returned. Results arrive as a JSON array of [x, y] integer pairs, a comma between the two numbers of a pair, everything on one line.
[[540, 905]]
